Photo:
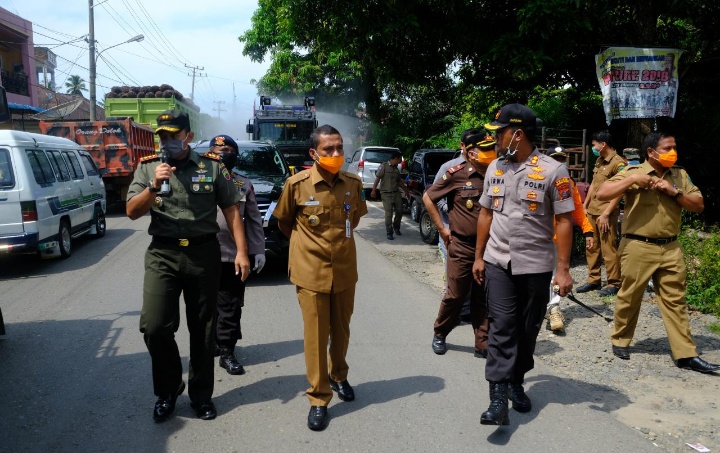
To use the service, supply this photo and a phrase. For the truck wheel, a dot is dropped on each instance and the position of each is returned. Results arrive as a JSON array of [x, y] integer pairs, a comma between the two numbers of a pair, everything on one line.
[[64, 240], [415, 210], [99, 223], [428, 232]]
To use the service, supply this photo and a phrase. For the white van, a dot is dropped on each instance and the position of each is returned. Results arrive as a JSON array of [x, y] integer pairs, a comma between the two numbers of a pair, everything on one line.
[[50, 192]]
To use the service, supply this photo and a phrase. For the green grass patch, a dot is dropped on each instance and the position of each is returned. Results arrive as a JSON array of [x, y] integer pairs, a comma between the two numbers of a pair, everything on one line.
[[714, 327], [702, 259]]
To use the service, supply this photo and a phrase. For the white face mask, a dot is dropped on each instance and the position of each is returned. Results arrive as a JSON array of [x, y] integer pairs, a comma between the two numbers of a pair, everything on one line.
[[507, 154]]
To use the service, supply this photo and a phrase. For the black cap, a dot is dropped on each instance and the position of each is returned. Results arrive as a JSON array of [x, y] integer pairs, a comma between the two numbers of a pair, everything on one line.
[[480, 141], [631, 153], [223, 140], [515, 115], [173, 121], [556, 151]]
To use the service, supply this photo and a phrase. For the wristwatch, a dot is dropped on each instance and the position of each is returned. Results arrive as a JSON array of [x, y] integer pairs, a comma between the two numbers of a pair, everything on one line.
[[678, 194], [151, 187]]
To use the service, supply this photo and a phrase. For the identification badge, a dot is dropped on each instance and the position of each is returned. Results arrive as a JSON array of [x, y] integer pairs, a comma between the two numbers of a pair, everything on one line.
[[312, 203], [348, 229]]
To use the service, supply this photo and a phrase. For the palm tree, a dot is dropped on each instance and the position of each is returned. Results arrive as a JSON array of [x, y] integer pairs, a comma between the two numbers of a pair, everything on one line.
[[75, 85]]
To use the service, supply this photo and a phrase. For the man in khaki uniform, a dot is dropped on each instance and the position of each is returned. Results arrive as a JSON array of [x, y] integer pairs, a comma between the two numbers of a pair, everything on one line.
[[318, 210], [656, 192], [603, 216], [388, 177]]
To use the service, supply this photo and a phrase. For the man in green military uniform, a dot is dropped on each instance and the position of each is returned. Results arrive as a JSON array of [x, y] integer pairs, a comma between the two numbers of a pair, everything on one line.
[[183, 257], [388, 177], [655, 192]]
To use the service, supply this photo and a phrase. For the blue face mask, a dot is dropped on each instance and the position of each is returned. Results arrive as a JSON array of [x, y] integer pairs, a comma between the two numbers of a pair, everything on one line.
[[596, 152]]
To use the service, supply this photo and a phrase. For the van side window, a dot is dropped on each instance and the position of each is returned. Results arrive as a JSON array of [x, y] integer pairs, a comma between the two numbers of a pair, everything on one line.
[[89, 165], [75, 168], [7, 178], [42, 170], [59, 165]]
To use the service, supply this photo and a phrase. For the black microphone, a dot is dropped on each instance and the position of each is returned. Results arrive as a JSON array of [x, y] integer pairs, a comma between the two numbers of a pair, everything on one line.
[[165, 185]]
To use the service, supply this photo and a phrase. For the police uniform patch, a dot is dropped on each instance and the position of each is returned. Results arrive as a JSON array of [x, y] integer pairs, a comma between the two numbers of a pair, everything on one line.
[[563, 187], [621, 167], [533, 207], [499, 172], [496, 202], [536, 176], [532, 195], [534, 160], [457, 167], [537, 169], [495, 189]]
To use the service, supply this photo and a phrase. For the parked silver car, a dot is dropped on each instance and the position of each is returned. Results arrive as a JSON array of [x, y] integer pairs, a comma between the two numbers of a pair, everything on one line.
[[365, 161]]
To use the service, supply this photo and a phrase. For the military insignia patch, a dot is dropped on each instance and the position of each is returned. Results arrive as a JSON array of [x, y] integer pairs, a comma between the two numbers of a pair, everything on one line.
[[496, 202], [536, 176], [563, 187], [534, 160], [499, 172], [532, 195], [495, 189], [149, 158], [224, 172], [533, 207], [196, 187], [469, 204], [537, 169]]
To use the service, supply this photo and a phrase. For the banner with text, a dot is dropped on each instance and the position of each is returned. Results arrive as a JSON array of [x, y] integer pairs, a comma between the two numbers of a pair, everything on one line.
[[638, 83]]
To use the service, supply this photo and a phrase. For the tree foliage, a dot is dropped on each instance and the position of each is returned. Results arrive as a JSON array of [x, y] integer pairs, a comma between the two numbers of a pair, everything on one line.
[[75, 85]]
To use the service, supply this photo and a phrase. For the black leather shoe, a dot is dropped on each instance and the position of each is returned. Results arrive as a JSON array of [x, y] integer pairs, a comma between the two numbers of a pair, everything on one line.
[[497, 413], [204, 410], [230, 363], [697, 364], [621, 352], [165, 405], [390, 236], [520, 400], [398, 232], [587, 287], [608, 291], [343, 389], [438, 345], [481, 353], [318, 418]]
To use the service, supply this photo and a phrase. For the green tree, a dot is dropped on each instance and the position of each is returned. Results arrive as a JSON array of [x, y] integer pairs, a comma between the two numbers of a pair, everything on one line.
[[75, 85]]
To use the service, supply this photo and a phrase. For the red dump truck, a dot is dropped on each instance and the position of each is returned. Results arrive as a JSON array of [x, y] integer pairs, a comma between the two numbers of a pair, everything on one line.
[[116, 145]]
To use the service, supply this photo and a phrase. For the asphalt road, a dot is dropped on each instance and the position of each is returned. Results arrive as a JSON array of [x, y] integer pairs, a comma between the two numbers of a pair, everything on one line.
[[75, 374]]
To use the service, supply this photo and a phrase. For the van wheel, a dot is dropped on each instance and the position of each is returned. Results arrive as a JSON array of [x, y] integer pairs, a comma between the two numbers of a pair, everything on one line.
[[99, 222], [415, 210], [428, 232], [65, 241]]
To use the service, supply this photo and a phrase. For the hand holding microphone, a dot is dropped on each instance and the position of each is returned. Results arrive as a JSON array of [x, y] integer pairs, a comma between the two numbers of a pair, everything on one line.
[[165, 185]]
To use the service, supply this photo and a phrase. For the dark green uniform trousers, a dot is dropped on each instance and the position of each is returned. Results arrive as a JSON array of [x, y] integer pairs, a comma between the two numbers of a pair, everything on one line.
[[193, 271]]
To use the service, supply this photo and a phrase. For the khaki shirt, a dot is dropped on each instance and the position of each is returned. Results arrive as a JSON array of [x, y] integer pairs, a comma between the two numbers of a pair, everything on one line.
[[322, 257], [462, 185], [389, 177], [525, 197], [604, 170], [651, 213], [196, 190]]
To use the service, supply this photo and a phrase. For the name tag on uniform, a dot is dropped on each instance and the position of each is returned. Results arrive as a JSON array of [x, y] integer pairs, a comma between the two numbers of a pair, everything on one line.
[[312, 203], [348, 228]]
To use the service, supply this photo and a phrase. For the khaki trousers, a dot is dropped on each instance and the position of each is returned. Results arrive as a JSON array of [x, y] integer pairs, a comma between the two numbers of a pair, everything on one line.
[[604, 248], [326, 316], [392, 202], [641, 261]]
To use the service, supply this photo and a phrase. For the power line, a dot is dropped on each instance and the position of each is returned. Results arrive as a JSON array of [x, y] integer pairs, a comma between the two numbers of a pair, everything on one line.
[[160, 32]]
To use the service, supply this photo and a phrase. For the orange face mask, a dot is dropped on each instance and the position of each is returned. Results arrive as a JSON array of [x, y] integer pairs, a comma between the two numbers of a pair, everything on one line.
[[668, 159], [331, 164], [485, 157]]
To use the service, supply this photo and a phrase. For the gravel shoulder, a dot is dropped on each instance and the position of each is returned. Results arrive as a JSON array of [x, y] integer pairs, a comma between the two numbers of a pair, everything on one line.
[[670, 406]]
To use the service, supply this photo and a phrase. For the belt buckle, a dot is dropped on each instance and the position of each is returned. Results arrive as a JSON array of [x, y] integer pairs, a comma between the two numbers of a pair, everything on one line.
[[183, 242], [663, 241]]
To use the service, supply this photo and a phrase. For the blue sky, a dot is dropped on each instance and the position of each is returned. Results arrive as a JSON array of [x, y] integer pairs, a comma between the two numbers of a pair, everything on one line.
[[197, 36]]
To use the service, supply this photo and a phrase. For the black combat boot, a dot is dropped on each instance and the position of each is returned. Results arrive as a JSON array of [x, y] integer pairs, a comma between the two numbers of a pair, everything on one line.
[[229, 362], [497, 413]]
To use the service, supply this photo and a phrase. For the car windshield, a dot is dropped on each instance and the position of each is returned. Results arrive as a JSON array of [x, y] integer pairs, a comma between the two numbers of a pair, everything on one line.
[[377, 156], [433, 162], [260, 161]]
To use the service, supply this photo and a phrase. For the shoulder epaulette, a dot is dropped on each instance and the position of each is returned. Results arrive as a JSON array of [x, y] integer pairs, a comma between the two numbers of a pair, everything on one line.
[[212, 156], [456, 168], [297, 177], [149, 158], [351, 175]]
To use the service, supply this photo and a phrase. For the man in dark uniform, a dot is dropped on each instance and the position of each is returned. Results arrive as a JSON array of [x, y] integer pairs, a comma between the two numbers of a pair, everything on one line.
[[525, 195], [318, 210], [231, 295], [462, 185], [655, 192], [388, 177], [183, 257]]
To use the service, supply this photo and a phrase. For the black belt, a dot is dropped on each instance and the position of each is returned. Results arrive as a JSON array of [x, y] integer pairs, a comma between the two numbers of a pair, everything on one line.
[[184, 242], [462, 237], [658, 241]]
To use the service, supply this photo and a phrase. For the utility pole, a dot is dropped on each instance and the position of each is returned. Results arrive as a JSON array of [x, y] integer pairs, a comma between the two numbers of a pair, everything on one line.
[[218, 108], [194, 68], [91, 41]]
